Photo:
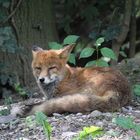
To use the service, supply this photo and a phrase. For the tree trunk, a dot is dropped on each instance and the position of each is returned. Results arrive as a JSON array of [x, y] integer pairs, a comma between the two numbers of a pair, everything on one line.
[[33, 23], [132, 36], [116, 43]]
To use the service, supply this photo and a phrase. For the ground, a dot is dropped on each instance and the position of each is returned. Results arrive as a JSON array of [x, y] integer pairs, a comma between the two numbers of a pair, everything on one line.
[[68, 126]]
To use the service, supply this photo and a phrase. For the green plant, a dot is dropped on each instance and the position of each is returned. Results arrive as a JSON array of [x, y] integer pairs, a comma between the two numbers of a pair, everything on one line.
[[41, 119], [122, 50], [105, 52], [29, 121], [87, 51], [7, 102], [127, 123], [20, 90], [89, 133], [68, 40], [136, 89], [4, 112]]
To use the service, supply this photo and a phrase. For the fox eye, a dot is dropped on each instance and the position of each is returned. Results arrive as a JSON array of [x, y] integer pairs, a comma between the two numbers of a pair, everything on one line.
[[53, 67], [38, 68]]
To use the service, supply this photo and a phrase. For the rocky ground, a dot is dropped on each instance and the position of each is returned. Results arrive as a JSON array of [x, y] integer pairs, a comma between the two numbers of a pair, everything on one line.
[[66, 127]]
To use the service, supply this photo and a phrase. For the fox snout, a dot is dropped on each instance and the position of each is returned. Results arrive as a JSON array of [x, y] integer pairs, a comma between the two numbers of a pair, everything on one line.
[[41, 80], [47, 80]]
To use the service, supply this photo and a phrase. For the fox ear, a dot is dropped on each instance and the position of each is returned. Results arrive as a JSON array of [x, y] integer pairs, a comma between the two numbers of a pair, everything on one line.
[[66, 51], [35, 50]]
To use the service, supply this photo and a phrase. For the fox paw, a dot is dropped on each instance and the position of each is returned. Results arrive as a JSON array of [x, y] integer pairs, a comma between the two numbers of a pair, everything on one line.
[[24, 109], [21, 111]]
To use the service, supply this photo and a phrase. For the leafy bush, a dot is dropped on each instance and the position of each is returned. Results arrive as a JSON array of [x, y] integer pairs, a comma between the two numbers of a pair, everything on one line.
[[87, 51]]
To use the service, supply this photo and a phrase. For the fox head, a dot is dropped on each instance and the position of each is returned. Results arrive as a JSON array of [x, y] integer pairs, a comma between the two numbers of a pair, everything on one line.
[[49, 66]]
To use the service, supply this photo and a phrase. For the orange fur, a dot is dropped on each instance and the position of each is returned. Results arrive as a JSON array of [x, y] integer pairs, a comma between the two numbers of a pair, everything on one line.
[[77, 89]]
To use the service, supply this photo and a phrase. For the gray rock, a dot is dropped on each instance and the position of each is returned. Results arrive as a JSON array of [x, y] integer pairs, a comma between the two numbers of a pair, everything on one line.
[[68, 135], [57, 115], [79, 114], [109, 115], [100, 124], [7, 119], [95, 114]]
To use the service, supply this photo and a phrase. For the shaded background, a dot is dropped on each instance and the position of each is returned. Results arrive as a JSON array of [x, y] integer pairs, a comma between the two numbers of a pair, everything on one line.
[[24, 23]]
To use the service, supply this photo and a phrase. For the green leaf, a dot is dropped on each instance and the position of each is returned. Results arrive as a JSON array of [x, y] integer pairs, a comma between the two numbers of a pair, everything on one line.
[[99, 41], [70, 39], [55, 45], [90, 64], [122, 53], [136, 90], [78, 48], [29, 121], [87, 52], [107, 52], [47, 129], [101, 63], [41, 118], [137, 129], [92, 130], [124, 122], [72, 59]]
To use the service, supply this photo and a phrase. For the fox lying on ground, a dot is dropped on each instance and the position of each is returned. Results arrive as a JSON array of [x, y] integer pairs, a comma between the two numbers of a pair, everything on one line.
[[76, 89]]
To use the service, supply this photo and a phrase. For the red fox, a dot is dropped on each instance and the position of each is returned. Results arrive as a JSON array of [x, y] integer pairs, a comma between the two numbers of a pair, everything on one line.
[[76, 89]]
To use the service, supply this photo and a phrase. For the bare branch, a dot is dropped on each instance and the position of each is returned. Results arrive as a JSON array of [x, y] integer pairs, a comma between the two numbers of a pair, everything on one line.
[[12, 13], [116, 44]]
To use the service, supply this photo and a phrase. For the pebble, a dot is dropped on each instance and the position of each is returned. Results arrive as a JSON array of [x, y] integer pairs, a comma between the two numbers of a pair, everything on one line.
[[100, 124], [95, 114], [79, 114], [57, 115]]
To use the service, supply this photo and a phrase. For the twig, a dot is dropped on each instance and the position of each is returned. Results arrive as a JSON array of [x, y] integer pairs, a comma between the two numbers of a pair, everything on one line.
[[12, 13], [13, 22]]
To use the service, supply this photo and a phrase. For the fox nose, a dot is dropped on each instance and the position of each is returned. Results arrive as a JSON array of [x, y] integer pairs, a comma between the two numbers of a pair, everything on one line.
[[42, 80]]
